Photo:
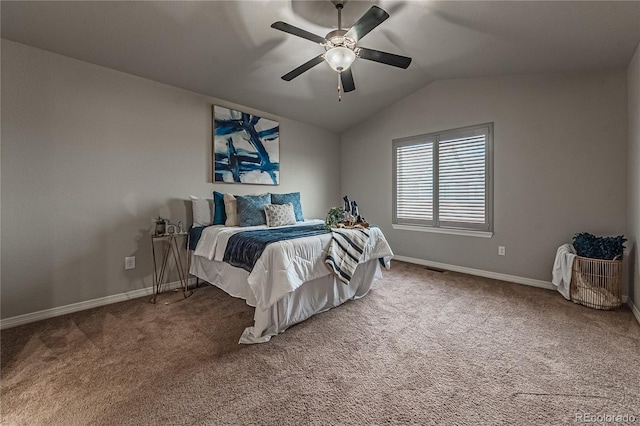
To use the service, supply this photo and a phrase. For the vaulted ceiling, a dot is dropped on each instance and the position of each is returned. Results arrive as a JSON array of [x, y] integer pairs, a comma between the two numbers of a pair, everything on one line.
[[228, 50]]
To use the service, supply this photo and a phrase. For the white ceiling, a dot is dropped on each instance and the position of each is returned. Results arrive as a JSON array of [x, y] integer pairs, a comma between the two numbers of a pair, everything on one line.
[[228, 50]]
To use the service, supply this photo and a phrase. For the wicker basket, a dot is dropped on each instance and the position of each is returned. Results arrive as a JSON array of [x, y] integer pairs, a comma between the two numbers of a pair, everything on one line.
[[597, 283]]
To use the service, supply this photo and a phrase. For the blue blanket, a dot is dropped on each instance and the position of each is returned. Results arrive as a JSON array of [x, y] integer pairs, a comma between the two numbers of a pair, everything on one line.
[[245, 248]]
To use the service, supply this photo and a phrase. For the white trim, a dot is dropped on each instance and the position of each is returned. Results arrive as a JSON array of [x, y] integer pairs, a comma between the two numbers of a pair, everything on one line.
[[107, 300], [634, 309], [81, 306], [502, 277], [452, 231], [479, 272]]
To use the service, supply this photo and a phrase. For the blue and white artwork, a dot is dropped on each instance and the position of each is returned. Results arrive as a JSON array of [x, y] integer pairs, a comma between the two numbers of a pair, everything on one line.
[[246, 148]]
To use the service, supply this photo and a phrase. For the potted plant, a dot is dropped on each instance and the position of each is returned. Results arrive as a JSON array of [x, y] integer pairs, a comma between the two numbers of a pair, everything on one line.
[[161, 225], [334, 216]]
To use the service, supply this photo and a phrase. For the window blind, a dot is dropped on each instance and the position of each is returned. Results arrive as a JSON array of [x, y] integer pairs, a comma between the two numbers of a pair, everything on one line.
[[414, 182], [461, 174], [444, 179]]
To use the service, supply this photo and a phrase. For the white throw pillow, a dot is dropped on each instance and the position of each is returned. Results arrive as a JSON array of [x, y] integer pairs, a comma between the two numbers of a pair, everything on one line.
[[279, 214], [202, 208], [231, 207]]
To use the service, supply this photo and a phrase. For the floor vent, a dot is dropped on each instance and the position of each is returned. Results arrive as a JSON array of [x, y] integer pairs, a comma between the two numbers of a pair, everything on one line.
[[429, 268]]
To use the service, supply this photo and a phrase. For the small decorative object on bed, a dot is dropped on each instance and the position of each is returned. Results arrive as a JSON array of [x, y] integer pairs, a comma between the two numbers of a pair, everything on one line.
[[246, 148], [347, 217], [334, 217], [589, 272], [347, 204]]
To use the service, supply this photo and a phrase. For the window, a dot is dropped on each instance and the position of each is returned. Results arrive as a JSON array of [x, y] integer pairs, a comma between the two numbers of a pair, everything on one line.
[[443, 180]]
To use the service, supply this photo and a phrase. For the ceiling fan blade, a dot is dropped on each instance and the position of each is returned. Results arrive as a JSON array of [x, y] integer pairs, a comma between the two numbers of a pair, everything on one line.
[[384, 57], [288, 28], [347, 80], [302, 68], [371, 19]]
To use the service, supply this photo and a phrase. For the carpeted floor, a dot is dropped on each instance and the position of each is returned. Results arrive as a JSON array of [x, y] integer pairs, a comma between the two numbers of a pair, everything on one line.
[[422, 348]]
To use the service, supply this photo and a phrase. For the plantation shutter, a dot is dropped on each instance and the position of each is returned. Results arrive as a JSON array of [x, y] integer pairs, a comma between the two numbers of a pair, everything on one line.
[[414, 186], [443, 180], [462, 171]]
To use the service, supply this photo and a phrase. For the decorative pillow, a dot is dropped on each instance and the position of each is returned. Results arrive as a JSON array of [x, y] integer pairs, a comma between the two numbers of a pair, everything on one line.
[[293, 198], [219, 214], [279, 214], [251, 209], [201, 210], [231, 209]]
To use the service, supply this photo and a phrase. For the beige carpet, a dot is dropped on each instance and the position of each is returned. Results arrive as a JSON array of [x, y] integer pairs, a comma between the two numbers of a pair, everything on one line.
[[422, 348]]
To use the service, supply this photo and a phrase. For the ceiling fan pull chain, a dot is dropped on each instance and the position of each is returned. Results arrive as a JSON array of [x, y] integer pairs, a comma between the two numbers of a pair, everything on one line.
[[339, 88]]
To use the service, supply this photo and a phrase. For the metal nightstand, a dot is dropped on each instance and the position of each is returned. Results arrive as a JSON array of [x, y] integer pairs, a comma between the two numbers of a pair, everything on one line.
[[170, 249]]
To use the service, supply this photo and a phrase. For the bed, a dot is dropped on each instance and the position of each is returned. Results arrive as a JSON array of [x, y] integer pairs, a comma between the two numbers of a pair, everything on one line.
[[290, 280]]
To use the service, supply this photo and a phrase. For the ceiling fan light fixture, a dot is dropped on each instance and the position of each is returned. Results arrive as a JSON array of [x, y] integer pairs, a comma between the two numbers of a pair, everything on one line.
[[340, 58], [341, 47]]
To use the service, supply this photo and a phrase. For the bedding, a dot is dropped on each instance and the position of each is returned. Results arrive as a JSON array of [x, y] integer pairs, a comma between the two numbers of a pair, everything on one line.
[[219, 214], [290, 281], [231, 210], [279, 214], [245, 248], [294, 199], [195, 232], [345, 250], [202, 208], [251, 209]]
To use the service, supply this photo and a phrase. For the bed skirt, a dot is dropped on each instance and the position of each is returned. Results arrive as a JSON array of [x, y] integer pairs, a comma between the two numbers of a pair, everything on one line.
[[311, 298]]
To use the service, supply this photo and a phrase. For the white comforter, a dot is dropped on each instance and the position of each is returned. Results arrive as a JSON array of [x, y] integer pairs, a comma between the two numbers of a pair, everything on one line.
[[285, 265]]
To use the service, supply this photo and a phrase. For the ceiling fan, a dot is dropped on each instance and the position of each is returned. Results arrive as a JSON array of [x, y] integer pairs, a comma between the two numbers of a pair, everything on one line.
[[341, 47]]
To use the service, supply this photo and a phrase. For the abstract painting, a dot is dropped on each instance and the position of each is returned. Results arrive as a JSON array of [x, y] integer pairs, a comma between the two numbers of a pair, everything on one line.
[[246, 148]]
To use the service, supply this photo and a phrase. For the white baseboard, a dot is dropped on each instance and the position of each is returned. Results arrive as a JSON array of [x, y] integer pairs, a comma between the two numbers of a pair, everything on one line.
[[479, 272], [502, 277], [147, 291], [87, 304], [634, 309]]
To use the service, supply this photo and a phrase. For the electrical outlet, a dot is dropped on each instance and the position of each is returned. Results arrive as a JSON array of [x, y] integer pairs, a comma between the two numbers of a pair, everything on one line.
[[130, 262], [501, 250]]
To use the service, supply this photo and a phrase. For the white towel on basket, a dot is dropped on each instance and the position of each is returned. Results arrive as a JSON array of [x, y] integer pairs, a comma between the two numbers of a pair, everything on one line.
[[561, 274]]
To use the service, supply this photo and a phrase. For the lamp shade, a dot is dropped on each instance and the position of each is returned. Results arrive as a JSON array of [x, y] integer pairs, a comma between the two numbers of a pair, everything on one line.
[[340, 58]]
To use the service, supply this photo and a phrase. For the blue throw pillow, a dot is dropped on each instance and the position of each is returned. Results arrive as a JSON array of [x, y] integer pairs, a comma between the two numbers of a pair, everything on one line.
[[251, 209], [219, 213], [293, 198]]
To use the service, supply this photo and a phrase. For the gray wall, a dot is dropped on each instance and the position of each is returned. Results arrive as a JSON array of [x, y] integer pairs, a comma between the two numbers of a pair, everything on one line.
[[91, 155], [560, 165], [633, 178]]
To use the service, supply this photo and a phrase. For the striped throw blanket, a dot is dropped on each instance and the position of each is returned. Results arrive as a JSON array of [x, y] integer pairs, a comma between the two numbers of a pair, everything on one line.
[[345, 251]]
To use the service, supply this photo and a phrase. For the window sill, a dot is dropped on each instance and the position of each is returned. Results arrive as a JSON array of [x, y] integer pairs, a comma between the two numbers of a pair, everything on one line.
[[450, 231]]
